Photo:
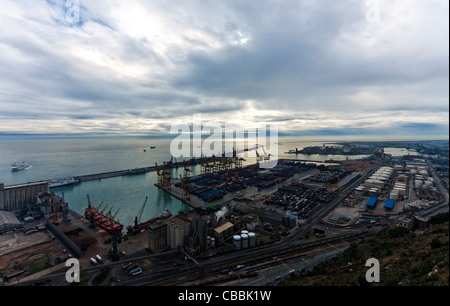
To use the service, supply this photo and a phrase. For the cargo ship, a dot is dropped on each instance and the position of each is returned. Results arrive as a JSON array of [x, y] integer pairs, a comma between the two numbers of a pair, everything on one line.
[[165, 215], [104, 221]]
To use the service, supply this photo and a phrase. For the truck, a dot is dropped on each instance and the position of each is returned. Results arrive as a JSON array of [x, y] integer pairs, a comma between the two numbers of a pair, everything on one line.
[[136, 271]]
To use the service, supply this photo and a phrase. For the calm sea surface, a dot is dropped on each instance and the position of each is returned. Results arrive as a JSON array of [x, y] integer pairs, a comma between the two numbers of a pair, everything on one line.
[[59, 158]]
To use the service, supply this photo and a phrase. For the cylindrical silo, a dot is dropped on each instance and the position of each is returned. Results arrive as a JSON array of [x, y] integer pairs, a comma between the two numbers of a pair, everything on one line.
[[237, 242], [244, 241], [251, 239]]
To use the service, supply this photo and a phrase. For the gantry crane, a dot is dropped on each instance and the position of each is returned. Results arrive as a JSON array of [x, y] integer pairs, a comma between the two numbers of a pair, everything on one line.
[[186, 172], [266, 157], [206, 167], [163, 178], [236, 159], [185, 195], [258, 157]]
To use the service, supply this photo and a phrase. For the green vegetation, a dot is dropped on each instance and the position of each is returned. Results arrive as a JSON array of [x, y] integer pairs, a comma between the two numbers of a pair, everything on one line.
[[406, 259], [101, 277]]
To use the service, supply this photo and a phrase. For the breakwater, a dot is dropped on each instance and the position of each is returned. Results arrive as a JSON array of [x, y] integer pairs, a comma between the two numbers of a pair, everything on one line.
[[105, 175]]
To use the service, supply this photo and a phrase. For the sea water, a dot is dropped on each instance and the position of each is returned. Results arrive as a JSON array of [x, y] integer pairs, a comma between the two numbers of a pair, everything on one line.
[[53, 158]]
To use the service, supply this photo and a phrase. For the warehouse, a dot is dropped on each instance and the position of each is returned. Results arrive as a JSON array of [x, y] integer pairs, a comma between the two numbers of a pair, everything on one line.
[[8, 221], [389, 204], [371, 202]]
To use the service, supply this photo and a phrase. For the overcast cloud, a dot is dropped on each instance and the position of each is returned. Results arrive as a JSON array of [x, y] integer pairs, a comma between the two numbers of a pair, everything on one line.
[[315, 67]]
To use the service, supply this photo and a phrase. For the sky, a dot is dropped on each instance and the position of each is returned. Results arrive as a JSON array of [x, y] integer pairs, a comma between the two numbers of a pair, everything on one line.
[[361, 68]]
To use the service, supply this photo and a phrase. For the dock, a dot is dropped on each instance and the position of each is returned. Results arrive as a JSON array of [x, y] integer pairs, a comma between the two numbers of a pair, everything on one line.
[[105, 175]]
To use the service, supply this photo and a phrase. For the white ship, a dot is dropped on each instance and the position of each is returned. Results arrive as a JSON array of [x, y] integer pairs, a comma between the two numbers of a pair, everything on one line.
[[20, 166], [62, 182]]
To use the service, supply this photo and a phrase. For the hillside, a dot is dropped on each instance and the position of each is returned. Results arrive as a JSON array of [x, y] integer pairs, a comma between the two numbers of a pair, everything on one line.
[[406, 258]]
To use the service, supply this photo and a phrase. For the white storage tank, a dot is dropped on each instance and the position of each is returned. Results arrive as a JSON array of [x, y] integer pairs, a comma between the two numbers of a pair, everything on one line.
[[293, 219], [373, 192], [393, 196], [251, 239], [244, 241], [359, 190], [237, 242]]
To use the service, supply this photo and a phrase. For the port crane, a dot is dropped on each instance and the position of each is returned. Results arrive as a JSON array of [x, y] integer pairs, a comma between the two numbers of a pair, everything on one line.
[[187, 171], [206, 167], [237, 159], [163, 178], [169, 164], [266, 156], [137, 219], [55, 212], [258, 157], [186, 196]]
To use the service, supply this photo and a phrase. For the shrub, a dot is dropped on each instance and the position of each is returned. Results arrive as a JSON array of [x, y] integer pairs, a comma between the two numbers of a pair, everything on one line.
[[435, 243], [397, 232]]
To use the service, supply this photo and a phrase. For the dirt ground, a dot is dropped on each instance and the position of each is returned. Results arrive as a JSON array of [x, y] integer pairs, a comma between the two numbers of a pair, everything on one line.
[[18, 249], [93, 241]]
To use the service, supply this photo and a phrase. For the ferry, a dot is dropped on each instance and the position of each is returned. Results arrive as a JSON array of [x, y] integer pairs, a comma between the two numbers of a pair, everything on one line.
[[20, 166], [62, 182]]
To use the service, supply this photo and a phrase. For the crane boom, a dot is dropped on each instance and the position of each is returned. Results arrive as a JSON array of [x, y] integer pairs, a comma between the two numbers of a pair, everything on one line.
[[142, 210]]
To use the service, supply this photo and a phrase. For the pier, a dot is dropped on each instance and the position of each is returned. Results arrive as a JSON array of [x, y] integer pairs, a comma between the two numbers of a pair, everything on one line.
[[105, 175]]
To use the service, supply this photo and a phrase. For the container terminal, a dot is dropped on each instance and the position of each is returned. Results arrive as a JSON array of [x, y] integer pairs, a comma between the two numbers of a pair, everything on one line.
[[242, 216]]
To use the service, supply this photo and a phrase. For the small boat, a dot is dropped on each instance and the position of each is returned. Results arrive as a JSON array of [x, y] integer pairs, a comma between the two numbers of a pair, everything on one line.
[[20, 166], [152, 147]]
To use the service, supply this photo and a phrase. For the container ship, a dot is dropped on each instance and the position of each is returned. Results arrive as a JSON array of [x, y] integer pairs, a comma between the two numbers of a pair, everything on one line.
[[104, 221], [165, 215]]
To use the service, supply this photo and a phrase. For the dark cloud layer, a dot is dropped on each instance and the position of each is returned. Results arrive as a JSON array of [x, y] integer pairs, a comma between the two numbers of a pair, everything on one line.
[[138, 66]]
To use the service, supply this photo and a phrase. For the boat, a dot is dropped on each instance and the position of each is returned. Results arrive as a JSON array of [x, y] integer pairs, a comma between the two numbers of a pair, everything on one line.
[[152, 147], [20, 166], [104, 221], [62, 182], [165, 215]]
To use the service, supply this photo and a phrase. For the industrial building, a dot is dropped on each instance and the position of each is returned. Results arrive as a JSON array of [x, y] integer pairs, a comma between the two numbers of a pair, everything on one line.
[[17, 197], [8, 221], [178, 229], [412, 222], [372, 202], [389, 204], [157, 233]]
